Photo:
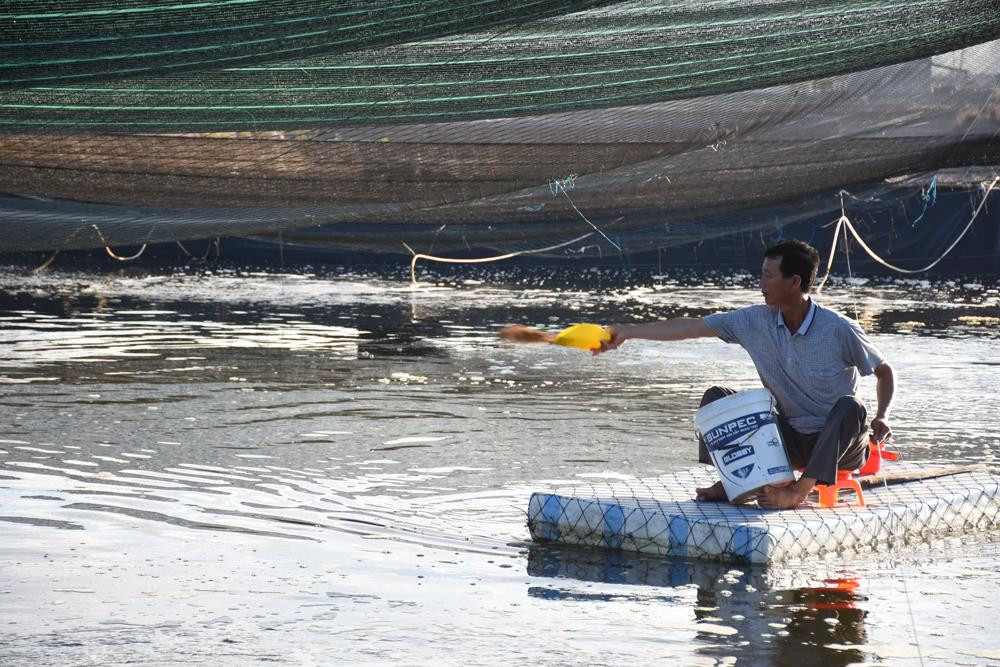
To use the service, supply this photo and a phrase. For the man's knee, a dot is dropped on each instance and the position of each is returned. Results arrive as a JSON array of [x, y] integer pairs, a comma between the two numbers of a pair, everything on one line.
[[711, 394], [849, 408], [849, 404]]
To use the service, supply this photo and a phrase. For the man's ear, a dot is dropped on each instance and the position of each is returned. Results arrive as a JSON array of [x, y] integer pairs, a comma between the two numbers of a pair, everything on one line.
[[797, 282]]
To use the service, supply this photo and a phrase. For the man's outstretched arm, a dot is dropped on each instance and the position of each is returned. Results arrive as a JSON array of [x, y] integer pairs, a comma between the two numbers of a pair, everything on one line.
[[678, 328]]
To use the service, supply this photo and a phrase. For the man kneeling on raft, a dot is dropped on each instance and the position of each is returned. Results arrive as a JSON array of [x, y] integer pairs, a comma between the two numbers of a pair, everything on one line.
[[809, 357]]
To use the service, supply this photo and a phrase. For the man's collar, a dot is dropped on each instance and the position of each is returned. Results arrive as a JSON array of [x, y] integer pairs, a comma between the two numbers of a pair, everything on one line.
[[779, 319]]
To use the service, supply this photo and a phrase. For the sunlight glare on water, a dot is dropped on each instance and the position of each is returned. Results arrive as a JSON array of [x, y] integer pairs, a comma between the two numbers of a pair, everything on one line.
[[244, 466]]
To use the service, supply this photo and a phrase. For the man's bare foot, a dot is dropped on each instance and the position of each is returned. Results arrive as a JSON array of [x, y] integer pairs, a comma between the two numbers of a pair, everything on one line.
[[782, 497], [714, 493]]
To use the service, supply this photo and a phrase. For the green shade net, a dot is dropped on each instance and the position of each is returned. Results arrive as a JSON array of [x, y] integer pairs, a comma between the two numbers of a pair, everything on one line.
[[452, 126]]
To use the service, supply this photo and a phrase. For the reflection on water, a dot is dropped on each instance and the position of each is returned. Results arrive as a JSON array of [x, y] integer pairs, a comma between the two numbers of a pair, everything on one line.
[[278, 466], [745, 610]]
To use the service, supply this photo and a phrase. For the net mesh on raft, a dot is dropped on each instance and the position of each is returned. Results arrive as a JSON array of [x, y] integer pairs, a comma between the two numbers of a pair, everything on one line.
[[596, 127], [658, 516]]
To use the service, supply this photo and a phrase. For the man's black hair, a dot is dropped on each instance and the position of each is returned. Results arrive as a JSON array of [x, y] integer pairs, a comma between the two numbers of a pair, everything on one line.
[[797, 259]]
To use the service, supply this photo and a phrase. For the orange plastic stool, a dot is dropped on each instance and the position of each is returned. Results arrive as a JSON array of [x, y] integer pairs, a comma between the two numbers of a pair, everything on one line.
[[876, 454], [845, 480]]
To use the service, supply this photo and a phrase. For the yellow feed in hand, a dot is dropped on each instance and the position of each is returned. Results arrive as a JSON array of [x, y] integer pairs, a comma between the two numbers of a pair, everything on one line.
[[583, 336]]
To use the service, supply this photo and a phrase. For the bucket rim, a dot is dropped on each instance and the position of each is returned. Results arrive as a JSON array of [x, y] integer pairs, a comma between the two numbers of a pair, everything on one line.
[[726, 403]]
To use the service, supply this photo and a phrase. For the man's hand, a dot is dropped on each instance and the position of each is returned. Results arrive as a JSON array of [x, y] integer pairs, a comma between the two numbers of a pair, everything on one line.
[[618, 337], [881, 430]]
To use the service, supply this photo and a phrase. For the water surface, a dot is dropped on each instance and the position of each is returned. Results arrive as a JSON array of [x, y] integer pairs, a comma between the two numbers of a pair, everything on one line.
[[294, 468]]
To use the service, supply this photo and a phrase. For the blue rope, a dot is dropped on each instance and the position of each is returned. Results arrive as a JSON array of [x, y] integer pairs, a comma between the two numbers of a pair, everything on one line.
[[929, 198], [568, 183]]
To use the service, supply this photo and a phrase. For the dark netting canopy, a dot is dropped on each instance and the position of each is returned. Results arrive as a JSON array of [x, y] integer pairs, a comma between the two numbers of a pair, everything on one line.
[[460, 126]]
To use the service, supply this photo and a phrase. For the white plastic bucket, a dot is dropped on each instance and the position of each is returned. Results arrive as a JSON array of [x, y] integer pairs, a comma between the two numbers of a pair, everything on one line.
[[743, 439]]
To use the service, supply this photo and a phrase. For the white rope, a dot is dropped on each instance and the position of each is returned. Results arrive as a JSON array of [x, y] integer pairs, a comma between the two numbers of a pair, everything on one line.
[[894, 518], [480, 260], [902, 578], [111, 252], [558, 186], [125, 259], [844, 222], [208, 251], [850, 279], [46, 263]]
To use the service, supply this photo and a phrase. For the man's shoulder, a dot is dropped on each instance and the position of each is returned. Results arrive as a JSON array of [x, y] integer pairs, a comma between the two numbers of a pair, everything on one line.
[[840, 330], [830, 319], [831, 315], [756, 310], [759, 312], [740, 324]]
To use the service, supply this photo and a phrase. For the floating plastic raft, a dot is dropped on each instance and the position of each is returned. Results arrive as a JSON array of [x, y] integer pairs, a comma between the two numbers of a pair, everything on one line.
[[658, 516]]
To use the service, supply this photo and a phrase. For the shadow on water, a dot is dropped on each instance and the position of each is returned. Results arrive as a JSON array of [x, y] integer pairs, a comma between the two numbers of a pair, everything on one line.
[[746, 611]]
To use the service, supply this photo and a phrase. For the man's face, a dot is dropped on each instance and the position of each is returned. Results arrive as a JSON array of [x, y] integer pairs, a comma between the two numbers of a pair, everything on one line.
[[775, 287]]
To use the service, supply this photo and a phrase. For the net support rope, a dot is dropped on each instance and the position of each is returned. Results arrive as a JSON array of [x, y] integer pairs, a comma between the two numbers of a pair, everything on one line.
[[559, 185], [481, 260], [844, 223], [894, 535], [893, 525], [112, 253]]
